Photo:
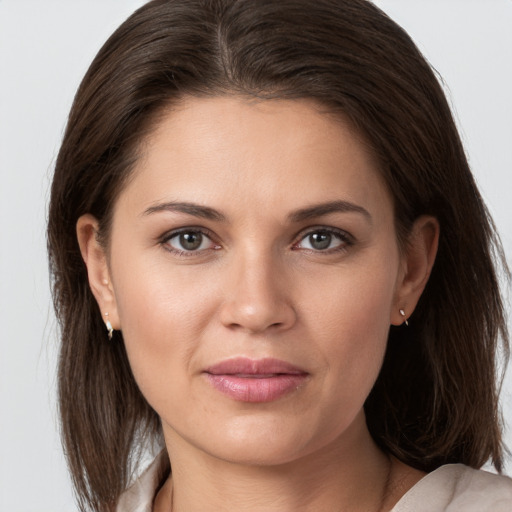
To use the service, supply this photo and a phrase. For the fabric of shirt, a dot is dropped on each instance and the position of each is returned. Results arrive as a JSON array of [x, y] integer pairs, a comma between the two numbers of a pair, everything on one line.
[[450, 488]]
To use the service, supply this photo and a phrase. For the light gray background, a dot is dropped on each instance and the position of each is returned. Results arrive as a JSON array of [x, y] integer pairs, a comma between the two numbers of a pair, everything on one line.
[[45, 48]]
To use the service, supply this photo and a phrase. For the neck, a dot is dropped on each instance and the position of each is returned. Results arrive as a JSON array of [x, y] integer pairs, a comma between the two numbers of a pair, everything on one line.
[[348, 474]]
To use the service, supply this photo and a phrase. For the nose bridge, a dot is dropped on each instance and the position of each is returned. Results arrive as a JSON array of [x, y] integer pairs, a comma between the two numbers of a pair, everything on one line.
[[257, 297]]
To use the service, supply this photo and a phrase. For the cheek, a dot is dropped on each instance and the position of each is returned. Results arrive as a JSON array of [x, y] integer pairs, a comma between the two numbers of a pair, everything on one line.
[[354, 316], [356, 299], [162, 315]]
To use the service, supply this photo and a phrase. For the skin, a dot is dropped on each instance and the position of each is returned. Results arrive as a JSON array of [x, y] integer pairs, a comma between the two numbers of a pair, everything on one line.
[[259, 286]]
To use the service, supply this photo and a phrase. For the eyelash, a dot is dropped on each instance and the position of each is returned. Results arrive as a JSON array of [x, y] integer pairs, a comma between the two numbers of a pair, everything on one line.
[[345, 238], [165, 239]]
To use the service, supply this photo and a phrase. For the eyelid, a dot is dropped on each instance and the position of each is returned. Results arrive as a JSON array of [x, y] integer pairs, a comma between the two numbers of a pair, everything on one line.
[[164, 239], [347, 239], [345, 236]]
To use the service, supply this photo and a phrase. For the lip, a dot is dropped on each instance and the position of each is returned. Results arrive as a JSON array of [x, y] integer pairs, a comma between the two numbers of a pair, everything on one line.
[[255, 380]]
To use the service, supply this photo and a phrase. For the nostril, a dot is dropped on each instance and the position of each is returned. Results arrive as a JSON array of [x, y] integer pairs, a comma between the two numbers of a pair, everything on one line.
[[257, 307], [238, 319]]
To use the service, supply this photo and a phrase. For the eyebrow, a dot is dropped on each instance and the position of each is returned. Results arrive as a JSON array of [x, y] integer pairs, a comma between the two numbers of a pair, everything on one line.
[[204, 212], [303, 214], [319, 210]]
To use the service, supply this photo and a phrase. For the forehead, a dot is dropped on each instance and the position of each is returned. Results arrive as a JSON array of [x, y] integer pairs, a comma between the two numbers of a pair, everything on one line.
[[241, 152]]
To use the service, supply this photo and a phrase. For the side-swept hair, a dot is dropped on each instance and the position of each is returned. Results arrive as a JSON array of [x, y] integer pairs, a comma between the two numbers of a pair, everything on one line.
[[436, 399]]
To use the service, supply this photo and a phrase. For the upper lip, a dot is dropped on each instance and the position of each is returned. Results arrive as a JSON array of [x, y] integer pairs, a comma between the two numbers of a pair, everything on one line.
[[246, 366]]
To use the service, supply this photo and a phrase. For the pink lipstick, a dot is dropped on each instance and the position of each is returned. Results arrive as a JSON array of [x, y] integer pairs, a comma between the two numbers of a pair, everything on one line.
[[249, 380]]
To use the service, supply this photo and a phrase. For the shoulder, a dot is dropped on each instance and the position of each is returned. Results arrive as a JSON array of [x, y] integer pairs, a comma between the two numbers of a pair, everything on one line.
[[458, 488]]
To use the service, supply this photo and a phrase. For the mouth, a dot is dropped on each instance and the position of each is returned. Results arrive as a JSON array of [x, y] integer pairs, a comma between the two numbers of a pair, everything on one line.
[[249, 380]]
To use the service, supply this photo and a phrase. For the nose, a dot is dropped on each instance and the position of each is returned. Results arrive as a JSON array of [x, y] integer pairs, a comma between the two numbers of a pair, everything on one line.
[[257, 296]]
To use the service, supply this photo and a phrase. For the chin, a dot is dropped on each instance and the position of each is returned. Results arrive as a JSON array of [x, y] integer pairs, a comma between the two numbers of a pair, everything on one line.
[[257, 452], [264, 440]]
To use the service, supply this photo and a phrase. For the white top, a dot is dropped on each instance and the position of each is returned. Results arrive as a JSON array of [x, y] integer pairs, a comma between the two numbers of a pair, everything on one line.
[[458, 488], [450, 488]]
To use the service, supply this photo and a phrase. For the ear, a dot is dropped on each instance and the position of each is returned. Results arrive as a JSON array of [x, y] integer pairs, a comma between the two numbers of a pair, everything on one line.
[[95, 258], [416, 266]]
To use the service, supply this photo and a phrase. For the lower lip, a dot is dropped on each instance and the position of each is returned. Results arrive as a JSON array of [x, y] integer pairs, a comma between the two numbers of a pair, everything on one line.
[[256, 389]]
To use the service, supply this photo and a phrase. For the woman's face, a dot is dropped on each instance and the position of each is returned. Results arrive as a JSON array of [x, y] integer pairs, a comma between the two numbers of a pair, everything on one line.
[[255, 272]]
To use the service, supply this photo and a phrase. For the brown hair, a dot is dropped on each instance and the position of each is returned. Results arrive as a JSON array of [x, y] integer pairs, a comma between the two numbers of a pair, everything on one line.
[[436, 399]]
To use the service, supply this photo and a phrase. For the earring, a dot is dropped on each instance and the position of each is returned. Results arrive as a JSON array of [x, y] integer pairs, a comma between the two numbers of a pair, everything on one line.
[[110, 329], [402, 312]]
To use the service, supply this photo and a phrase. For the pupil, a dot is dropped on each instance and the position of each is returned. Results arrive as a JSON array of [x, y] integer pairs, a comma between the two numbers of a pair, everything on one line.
[[191, 241], [320, 240]]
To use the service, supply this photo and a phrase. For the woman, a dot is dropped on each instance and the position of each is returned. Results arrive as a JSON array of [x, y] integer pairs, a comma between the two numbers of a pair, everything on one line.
[[265, 242]]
